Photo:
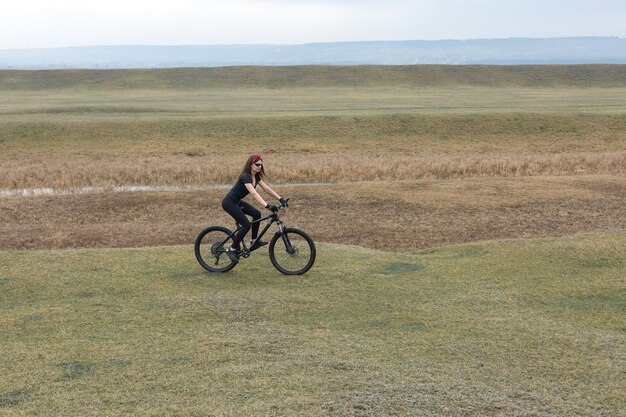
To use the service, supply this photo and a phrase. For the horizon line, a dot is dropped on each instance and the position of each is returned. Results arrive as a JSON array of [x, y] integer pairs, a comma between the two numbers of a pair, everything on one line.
[[309, 43]]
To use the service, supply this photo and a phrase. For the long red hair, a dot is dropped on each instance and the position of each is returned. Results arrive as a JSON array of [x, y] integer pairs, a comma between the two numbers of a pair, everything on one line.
[[247, 169]]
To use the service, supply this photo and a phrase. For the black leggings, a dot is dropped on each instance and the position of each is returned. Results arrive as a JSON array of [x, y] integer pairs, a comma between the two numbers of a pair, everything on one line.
[[239, 209]]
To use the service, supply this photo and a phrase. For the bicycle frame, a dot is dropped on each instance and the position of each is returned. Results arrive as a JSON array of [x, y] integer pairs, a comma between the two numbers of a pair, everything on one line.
[[275, 218]]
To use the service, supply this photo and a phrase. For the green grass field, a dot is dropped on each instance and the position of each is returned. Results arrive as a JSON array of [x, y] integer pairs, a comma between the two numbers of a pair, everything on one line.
[[502, 328], [403, 76]]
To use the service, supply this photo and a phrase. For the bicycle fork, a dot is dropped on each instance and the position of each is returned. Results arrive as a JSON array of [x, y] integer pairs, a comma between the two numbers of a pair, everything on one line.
[[288, 247]]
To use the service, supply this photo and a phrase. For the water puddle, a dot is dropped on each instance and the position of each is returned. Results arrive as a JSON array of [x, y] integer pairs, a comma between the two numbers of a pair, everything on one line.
[[36, 192]]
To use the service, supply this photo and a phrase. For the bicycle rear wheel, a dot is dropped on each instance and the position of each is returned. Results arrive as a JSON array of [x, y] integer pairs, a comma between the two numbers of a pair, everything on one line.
[[210, 249], [292, 252]]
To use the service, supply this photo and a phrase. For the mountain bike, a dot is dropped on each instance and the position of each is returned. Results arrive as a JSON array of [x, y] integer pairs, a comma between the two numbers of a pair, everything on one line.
[[291, 250]]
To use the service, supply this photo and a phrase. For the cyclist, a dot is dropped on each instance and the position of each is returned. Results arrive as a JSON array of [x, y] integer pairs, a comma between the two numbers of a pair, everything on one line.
[[252, 175]]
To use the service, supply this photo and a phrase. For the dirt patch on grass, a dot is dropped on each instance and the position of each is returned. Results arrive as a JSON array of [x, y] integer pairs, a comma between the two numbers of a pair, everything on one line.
[[385, 215]]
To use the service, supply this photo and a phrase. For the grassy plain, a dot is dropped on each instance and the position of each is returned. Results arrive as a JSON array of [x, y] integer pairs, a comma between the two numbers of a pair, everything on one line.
[[419, 185], [530, 327], [194, 127]]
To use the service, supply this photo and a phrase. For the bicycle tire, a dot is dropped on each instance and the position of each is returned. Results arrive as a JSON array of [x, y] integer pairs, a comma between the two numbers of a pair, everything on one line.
[[210, 248], [292, 263]]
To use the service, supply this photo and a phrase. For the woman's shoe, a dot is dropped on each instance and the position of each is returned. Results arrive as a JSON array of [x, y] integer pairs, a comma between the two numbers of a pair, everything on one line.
[[232, 254]]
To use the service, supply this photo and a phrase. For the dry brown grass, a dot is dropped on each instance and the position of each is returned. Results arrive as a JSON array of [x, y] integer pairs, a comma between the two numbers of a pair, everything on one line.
[[359, 165], [310, 149], [388, 215]]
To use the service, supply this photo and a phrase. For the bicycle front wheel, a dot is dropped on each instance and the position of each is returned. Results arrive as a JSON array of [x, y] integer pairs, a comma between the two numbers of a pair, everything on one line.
[[210, 249], [292, 252]]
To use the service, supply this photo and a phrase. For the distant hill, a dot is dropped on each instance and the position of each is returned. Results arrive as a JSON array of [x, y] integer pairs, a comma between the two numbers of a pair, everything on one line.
[[514, 51]]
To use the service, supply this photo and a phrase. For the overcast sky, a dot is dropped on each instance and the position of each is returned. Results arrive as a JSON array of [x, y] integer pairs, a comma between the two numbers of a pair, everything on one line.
[[57, 23]]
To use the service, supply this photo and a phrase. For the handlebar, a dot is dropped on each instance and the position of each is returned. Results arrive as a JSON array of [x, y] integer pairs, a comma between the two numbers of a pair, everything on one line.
[[282, 206]]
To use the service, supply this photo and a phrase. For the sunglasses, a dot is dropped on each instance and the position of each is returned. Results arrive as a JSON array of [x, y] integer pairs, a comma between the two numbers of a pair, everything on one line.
[[259, 165]]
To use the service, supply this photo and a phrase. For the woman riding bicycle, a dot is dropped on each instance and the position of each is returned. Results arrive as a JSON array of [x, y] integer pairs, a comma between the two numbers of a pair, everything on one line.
[[251, 176]]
